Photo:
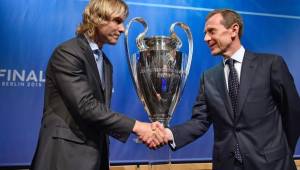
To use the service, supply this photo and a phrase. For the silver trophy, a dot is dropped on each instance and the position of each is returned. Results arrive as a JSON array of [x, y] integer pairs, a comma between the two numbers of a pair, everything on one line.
[[159, 70]]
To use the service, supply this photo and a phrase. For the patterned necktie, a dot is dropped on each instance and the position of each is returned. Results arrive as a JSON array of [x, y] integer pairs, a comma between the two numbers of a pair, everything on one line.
[[233, 85], [99, 61], [233, 88]]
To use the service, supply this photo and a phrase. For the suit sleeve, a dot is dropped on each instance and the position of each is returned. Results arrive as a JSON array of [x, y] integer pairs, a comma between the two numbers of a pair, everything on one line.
[[72, 82], [286, 96], [197, 125]]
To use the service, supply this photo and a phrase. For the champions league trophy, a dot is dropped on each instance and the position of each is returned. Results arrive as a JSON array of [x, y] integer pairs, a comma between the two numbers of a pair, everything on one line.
[[159, 70]]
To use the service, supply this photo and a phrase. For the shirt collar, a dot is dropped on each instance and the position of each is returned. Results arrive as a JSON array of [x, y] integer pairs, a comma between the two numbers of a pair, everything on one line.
[[238, 55], [93, 45]]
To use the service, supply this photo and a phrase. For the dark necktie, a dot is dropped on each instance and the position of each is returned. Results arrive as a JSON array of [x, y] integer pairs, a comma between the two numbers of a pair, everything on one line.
[[99, 61], [233, 88], [233, 85]]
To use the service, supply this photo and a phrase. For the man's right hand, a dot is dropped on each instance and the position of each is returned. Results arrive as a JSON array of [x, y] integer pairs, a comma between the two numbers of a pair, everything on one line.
[[154, 135]]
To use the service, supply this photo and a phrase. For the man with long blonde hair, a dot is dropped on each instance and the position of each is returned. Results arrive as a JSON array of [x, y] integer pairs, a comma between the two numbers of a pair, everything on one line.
[[77, 118]]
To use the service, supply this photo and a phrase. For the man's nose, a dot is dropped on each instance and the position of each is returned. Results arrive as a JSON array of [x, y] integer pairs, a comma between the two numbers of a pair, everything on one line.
[[207, 38], [121, 27]]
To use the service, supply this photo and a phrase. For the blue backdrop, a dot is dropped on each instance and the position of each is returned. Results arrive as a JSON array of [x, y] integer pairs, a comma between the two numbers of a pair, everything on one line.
[[31, 29]]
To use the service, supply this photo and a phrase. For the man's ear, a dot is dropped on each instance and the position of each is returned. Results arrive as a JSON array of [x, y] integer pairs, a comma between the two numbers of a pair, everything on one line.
[[235, 30]]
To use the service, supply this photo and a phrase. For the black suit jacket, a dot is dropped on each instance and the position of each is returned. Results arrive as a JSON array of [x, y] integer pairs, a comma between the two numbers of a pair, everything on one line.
[[266, 123], [77, 118]]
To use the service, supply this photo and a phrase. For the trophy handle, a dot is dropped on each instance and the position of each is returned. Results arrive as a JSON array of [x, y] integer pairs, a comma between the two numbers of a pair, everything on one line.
[[139, 41], [190, 40], [140, 38], [131, 60]]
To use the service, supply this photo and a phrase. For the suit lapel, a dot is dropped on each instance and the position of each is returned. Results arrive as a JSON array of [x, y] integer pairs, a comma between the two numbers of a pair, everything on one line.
[[247, 74], [107, 78], [91, 60], [221, 85]]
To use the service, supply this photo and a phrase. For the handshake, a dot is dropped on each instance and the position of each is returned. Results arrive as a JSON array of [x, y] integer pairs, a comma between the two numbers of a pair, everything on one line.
[[154, 135]]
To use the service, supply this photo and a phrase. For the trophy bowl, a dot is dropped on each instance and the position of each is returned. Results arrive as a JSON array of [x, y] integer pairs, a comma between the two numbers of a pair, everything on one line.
[[159, 70]]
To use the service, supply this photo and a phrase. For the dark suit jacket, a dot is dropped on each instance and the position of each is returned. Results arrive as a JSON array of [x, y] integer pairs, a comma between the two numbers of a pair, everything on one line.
[[77, 118], [266, 123]]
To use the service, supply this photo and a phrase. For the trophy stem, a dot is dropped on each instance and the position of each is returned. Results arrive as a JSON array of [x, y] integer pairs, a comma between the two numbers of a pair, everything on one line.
[[169, 159], [163, 120], [160, 158]]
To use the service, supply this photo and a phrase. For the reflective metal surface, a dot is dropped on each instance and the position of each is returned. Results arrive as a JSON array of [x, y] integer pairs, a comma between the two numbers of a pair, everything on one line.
[[159, 70]]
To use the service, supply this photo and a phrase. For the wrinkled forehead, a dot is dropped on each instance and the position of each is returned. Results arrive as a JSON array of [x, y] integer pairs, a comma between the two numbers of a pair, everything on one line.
[[214, 21]]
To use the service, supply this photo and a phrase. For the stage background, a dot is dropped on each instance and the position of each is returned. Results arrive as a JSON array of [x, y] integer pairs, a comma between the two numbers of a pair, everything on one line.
[[31, 29]]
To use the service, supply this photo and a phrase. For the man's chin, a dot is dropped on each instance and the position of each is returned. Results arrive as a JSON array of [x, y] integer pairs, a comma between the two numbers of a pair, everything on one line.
[[215, 53], [112, 42]]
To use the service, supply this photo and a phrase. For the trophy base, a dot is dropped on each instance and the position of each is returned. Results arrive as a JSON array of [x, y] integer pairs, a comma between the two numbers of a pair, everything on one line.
[[162, 118]]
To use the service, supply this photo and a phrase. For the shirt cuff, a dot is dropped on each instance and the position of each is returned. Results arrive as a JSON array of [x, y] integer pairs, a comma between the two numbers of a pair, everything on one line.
[[172, 141]]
